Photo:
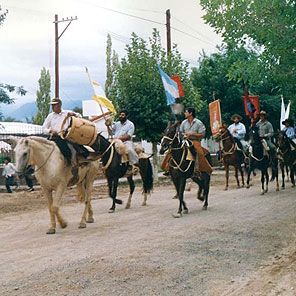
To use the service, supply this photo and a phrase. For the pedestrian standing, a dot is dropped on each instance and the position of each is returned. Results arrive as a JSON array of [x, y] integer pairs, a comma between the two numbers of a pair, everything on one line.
[[9, 174]]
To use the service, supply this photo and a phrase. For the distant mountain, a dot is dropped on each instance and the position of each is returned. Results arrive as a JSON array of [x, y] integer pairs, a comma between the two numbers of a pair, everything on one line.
[[29, 110]]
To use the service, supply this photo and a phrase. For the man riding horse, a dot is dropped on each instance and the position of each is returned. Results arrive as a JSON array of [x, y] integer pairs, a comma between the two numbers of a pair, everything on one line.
[[195, 130], [124, 131], [238, 130]]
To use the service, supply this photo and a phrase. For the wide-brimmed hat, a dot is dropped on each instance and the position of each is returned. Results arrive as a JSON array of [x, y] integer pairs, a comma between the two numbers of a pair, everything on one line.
[[236, 115], [55, 101], [263, 113], [290, 121]]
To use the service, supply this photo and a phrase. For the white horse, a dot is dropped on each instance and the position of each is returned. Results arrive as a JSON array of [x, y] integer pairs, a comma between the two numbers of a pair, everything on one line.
[[54, 174]]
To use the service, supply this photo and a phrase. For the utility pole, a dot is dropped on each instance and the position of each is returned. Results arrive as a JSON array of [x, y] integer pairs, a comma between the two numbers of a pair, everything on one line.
[[57, 37], [168, 27]]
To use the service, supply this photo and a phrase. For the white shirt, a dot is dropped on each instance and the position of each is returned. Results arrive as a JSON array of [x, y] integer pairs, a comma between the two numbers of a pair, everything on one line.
[[120, 130], [8, 170], [54, 121], [240, 130]]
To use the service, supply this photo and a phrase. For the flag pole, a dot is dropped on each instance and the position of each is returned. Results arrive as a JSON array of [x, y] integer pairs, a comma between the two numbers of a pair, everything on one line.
[[98, 102]]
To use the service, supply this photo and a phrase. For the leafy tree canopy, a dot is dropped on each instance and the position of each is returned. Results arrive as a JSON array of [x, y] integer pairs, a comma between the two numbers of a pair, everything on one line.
[[140, 89], [270, 24]]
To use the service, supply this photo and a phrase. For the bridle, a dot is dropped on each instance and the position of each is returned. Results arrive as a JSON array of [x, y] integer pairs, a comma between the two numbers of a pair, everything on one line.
[[175, 165]]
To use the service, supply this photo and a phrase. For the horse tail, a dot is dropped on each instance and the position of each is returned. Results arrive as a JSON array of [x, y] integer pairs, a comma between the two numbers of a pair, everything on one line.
[[146, 174]]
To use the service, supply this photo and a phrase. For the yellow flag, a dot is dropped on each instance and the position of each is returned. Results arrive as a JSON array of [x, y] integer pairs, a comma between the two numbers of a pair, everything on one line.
[[100, 96]]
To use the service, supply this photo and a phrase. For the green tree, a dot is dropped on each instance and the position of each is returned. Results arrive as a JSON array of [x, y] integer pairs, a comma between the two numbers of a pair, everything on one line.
[[2, 15], [140, 89], [109, 73], [43, 97], [214, 74], [269, 24]]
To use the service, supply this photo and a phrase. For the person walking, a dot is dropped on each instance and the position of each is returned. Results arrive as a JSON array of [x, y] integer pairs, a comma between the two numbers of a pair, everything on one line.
[[9, 174]]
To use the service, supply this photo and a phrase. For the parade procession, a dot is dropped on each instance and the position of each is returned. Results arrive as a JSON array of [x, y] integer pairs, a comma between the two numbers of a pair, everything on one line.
[[148, 149]]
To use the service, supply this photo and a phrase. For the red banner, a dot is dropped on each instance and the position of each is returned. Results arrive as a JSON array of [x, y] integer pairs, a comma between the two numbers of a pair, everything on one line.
[[178, 81], [215, 116], [252, 107]]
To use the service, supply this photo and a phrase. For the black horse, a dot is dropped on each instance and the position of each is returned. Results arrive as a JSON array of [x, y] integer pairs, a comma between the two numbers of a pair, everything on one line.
[[287, 157], [181, 168], [114, 170], [258, 158]]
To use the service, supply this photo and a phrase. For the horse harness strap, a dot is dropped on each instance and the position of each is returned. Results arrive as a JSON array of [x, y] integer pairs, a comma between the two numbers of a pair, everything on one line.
[[111, 146], [46, 159], [177, 166]]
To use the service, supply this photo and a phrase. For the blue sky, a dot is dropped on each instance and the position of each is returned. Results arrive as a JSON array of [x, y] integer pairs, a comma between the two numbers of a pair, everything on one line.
[[27, 38]]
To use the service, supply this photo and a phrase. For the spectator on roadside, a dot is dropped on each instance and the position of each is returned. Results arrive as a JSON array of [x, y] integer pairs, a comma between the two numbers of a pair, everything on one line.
[[9, 174]]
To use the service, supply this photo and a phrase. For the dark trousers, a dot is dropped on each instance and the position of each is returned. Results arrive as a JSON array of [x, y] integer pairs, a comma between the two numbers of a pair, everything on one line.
[[10, 181], [29, 181], [238, 142]]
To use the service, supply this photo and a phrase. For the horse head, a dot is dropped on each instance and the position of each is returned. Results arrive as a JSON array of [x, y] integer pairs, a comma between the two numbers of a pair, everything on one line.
[[254, 136], [222, 134], [169, 135], [282, 140], [22, 156]]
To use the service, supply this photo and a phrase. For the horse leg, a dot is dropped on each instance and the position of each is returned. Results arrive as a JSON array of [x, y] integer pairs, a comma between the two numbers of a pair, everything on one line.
[[132, 189], [56, 203], [283, 174], [236, 176], [88, 185], [267, 179], [226, 175], [178, 185], [276, 172], [52, 227], [262, 181], [206, 184], [111, 194], [242, 175], [248, 176], [182, 189], [292, 175]]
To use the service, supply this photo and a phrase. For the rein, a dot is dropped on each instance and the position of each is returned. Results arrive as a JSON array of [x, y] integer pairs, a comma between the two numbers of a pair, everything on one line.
[[176, 165]]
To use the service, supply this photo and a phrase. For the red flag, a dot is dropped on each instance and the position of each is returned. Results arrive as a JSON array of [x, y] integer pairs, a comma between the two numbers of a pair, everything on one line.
[[215, 116], [177, 79], [252, 107]]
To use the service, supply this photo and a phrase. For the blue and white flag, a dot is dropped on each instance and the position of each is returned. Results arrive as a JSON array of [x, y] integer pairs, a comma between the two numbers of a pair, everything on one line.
[[170, 87], [284, 112]]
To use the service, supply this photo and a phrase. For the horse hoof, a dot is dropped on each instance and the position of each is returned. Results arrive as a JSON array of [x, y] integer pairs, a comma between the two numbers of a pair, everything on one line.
[[178, 215], [111, 211], [277, 189], [185, 211], [90, 220], [201, 198], [205, 208], [64, 224], [293, 185], [128, 205], [262, 192], [50, 231], [226, 188], [82, 225], [248, 186], [144, 204], [175, 196]]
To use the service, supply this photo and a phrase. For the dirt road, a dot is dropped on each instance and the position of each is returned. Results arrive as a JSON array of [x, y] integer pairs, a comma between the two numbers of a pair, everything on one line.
[[244, 244]]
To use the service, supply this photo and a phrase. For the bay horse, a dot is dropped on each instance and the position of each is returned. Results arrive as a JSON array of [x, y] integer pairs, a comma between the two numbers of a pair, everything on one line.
[[182, 168], [114, 169], [54, 175], [287, 157], [232, 155], [259, 158]]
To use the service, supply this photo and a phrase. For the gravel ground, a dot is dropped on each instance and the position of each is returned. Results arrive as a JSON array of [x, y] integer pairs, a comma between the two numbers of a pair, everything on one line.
[[244, 244]]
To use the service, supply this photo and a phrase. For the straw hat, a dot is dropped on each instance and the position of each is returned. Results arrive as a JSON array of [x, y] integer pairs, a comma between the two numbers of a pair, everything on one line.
[[236, 115], [55, 101]]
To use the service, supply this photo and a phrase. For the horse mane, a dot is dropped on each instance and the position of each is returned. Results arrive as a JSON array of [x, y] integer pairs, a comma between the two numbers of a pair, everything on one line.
[[41, 140]]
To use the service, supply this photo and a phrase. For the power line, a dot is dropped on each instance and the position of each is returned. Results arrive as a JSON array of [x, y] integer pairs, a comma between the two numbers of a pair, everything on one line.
[[191, 28], [210, 43], [127, 14]]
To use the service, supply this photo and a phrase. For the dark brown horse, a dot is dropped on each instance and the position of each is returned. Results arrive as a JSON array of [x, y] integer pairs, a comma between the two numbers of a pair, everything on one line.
[[182, 168], [287, 157], [114, 170], [232, 155]]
